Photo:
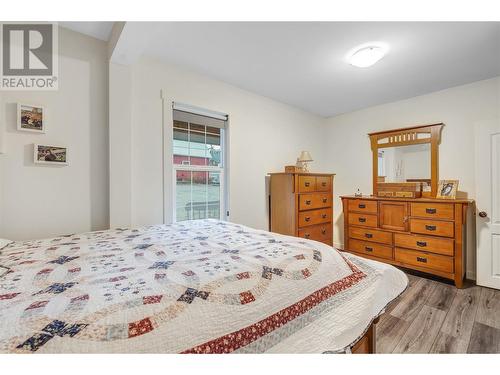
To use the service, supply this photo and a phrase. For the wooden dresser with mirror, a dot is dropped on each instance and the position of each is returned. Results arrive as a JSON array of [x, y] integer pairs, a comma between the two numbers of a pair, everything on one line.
[[422, 233], [301, 204]]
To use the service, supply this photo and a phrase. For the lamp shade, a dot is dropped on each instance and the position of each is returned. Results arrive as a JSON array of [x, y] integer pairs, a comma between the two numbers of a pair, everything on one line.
[[305, 156]]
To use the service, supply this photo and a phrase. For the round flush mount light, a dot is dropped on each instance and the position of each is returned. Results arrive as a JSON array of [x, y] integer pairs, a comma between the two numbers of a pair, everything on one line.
[[367, 54]]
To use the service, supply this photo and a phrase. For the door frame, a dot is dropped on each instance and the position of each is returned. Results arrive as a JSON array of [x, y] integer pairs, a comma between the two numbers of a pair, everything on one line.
[[485, 202]]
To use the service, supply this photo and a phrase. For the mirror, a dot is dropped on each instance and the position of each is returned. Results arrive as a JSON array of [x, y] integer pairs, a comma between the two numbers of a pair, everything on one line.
[[411, 163], [406, 155]]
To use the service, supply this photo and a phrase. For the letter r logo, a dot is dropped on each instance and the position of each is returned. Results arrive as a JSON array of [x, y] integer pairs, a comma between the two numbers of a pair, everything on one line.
[[27, 49]]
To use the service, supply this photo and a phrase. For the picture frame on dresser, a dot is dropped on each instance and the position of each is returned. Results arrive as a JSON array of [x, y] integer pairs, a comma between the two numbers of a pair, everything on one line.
[[447, 189]]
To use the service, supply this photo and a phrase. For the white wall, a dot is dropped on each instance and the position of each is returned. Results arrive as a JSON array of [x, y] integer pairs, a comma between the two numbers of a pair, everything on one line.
[[120, 148], [264, 136], [459, 108], [40, 201]]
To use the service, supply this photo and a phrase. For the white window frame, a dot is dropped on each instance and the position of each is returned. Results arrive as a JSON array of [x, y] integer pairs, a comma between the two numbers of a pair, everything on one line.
[[223, 198], [179, 167]]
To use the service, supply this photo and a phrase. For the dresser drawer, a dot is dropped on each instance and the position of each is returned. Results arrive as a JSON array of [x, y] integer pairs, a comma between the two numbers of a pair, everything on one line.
[[358, 205], [307, 184], [323, 183], [322, 233], [315, 200], [372, 235], [426, 260], [314, 217], [432, 227], [370, 248], [433, 210], [363, 220], [444, 246]]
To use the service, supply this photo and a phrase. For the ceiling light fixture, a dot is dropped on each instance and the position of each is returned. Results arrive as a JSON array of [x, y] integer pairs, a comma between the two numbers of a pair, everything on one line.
[[367, 54]]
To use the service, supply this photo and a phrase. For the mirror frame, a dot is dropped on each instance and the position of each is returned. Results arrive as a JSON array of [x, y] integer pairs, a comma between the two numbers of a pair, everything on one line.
[[405, 137]]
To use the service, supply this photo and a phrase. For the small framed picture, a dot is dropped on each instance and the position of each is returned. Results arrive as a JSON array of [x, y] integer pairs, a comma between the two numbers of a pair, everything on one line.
[[447, 189], [55, 155], [31, 118]]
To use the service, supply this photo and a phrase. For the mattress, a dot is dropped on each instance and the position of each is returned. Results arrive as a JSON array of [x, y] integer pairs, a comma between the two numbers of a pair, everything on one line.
[[203, 286]]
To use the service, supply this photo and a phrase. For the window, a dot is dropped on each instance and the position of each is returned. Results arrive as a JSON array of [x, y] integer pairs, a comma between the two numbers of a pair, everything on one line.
[[198, 164]]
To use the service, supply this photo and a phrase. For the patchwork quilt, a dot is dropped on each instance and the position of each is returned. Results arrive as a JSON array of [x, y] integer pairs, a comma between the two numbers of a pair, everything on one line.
[[203, 286]]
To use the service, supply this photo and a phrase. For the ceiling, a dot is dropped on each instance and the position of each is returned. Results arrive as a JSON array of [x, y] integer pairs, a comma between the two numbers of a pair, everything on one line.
[[99, 30], [304, 63]]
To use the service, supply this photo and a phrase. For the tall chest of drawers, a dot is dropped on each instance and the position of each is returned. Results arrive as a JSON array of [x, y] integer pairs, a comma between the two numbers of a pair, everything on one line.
[[427, 235], [301, 204]]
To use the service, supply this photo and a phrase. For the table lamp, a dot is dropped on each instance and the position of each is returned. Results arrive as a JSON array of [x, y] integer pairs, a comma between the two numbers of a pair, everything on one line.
[[304, 158]]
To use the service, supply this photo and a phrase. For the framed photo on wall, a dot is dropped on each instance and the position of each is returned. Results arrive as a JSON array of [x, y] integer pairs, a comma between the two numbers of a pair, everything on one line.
[[31, 118], [54, 155], [447, 189]]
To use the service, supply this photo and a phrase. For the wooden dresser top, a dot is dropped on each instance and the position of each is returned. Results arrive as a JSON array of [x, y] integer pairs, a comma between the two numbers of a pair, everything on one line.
[[304, 173], [416, 200]]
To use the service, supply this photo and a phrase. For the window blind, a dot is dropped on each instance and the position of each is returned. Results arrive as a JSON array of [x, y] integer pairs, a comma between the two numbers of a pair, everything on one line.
[[195, 115]]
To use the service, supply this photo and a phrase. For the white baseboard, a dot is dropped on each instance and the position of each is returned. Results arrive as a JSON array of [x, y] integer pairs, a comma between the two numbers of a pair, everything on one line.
[[470, 275]]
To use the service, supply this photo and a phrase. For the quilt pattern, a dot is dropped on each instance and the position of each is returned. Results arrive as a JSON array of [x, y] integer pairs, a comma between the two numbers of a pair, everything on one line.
[[202, 286]]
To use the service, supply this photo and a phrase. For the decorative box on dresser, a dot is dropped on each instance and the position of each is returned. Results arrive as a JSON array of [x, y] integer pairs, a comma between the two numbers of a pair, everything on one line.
[[423, 234], [301, 204]]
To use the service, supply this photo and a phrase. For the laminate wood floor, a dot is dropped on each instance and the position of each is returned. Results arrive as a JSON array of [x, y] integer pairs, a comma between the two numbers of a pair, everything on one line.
[[434, 317]]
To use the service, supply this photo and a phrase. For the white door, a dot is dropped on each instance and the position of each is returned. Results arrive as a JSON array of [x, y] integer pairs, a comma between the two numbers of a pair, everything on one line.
[[488, 203]]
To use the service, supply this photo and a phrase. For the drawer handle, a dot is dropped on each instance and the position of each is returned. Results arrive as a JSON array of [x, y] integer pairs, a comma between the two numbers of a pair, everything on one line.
[[421, 243], [307, 184], [369, 249], [368, 235], [308, 218], [323, 231], [362, 205], [362, 220], [307, 235], [324, 216], [325, 200], [308, 202], [430, 210], [430, 227], [323, 184], [422, 260]]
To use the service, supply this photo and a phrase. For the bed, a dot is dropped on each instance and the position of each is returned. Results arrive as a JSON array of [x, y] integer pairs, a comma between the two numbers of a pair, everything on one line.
[[203, 286]]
